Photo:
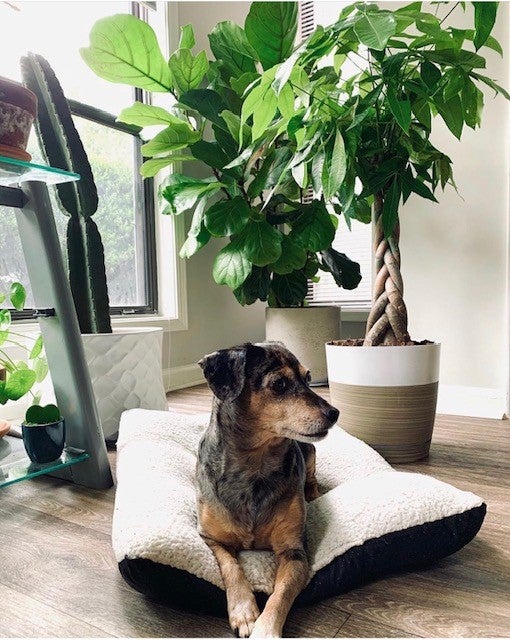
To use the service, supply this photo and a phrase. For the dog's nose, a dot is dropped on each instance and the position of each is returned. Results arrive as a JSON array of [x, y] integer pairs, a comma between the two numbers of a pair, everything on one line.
[[332, 414]]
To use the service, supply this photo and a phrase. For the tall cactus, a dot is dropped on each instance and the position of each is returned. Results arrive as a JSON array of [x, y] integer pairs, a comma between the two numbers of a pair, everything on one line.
[[62, 146]]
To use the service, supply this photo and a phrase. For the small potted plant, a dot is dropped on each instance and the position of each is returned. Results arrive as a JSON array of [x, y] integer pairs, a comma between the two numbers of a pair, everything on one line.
[[18, 109], [43, 433], [18, 377]]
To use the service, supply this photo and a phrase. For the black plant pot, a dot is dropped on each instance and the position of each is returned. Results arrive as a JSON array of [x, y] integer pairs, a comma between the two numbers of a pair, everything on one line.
[[44, 442]]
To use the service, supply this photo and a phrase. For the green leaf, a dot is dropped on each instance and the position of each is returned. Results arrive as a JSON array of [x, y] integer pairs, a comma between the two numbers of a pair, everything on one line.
[[485, 17], [151, 167], [41, 369], [456, 79], [374, 29], [390, 207], [313, 230], [233, 122], [37, 348], [19, 383], [207, 102], [261, 242], [194, 242], [262, 103], [421, 110], [211, 153], [229, 44], [430, 74], [401, 109], [5, 319], [452, 114], [490, 83], [333, 171], [470, 98], [227, 217], [231, 267], [345, 271], [188, 70], [290, 289], [2, 298], [293, 256], [260, 181], [187, 39], [271, 29], [183, 192], [124, 49], [255, 287], [144, 115], [42, 415], [17, 295], [177, 136]]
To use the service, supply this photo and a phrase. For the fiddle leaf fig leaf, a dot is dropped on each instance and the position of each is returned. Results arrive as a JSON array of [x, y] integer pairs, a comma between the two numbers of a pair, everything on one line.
[[124, 49], [177, 136], [151, 167], [231, 267], [261, 242], [187, 39], [313, 230], [255, 287], [183, 192], [345, 272], [271, 29], [290, 289], [293, 257], [227, 217], [188, 70], [145, 115], [229, 44]]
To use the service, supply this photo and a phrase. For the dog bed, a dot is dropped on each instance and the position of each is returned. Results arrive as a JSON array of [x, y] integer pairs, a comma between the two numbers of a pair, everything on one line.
[[371, 521]]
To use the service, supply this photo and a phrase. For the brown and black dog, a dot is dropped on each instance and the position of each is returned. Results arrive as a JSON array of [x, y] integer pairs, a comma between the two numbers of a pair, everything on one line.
[[255, 468]]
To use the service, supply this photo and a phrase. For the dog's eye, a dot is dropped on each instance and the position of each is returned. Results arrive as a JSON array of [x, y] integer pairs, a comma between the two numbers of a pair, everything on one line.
[[308, 377], [280, 385]]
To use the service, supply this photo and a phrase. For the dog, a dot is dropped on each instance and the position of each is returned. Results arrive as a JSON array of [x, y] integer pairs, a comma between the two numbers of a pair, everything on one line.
[[255, 469]]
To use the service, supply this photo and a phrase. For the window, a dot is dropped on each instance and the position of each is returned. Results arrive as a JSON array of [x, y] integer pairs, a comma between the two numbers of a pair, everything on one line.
[[125, 216], [355, 243]]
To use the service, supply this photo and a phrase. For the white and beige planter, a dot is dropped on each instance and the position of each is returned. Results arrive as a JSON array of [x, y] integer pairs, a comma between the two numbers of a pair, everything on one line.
[[386, 396], [126, 372], [304, 331]]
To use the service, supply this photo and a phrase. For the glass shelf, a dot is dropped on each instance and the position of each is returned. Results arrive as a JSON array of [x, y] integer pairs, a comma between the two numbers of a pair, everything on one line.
[[13, 172], [16, 466]]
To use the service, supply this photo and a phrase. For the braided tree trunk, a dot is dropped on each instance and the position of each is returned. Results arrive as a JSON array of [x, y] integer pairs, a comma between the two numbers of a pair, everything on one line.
[[387, 322]]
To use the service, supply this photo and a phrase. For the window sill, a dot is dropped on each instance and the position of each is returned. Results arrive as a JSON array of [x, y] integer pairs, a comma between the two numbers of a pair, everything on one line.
[[165, 322]]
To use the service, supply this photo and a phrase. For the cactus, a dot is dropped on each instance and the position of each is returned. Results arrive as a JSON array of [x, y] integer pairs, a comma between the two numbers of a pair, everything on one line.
[[62, 147]]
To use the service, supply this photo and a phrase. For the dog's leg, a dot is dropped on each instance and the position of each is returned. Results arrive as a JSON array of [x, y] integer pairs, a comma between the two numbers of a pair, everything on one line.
[[292, 573], [311, 485], [241, 604]]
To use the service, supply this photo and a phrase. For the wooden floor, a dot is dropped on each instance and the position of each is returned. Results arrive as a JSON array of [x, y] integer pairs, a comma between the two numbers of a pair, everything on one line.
[[58, 576]]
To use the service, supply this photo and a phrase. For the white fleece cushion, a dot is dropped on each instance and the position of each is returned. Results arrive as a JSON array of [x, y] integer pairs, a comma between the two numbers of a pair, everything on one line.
[[155, 515]]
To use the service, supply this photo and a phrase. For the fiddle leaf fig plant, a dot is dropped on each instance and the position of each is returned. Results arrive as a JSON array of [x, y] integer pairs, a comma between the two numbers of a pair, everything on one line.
[[223, 113], [18, 377]]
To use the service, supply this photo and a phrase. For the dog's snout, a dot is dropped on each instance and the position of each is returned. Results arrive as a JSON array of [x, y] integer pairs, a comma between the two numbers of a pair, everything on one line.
[[331, 414]]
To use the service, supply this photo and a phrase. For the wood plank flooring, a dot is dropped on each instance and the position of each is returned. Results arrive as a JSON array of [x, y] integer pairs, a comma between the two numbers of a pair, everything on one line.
[[59, 578]]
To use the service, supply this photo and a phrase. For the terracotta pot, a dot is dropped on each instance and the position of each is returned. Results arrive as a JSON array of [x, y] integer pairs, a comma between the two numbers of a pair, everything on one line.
[[18, 110], [386, 396]]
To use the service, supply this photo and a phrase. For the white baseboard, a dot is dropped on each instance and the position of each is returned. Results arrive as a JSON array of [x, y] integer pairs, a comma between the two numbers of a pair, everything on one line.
[[188, 375], [475, 402]]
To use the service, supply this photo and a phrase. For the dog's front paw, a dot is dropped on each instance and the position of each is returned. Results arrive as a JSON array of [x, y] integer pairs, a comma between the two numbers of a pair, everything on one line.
[[266, 627], [242, 616]]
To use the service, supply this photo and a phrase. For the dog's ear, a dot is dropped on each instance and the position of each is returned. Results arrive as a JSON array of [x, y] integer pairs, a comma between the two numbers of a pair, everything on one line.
[[224, 371]]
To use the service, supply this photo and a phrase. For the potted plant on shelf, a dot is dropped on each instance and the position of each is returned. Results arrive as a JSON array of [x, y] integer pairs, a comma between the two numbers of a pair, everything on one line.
[[256, 196], [18, 109], [18, 376], [43, 432], [125, 365]]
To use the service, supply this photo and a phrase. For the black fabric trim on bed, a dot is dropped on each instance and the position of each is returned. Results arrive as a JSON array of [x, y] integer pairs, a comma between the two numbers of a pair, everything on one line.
[[410, 548]]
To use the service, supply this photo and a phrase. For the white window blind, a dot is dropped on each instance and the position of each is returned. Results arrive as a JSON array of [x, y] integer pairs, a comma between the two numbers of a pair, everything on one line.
[[356, 244]]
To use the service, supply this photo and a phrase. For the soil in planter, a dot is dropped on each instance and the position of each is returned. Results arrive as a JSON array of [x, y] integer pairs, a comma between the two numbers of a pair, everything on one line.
[[358, 342]]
